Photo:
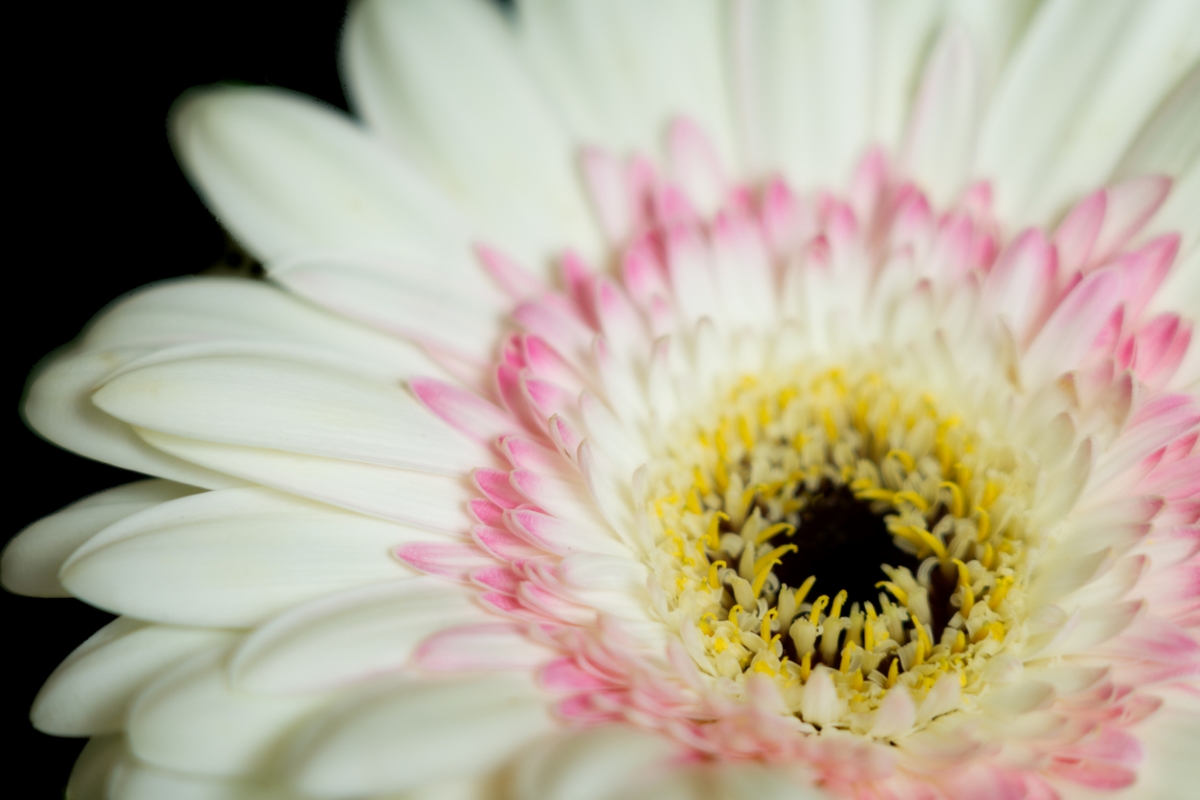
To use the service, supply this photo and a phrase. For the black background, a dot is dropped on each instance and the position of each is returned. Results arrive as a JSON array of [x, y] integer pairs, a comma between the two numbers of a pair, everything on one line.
[[101, 209]]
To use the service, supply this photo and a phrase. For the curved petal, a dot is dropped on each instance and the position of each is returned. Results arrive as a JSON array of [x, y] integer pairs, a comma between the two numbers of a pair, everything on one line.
[[443, 80], [34, 556]]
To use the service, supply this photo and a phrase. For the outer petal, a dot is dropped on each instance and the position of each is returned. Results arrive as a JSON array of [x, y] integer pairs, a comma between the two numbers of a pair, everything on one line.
[[443, 80]]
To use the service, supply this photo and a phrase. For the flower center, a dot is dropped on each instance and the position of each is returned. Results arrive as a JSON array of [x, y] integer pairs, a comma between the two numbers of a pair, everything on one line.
[[836, 521]]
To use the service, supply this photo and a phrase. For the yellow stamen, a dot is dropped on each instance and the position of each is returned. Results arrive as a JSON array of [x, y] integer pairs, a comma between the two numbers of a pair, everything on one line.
[[774, 530], [763, 667], [899, 593], [919, 655], [925, 538], [904, 458], [913, 498], [774, 555], [806, 666], [733, 613], [804, 589], [701, 480], [765, 629], [964, 583], [831, 429], [893, 673], [712, 536], [988, 557], [760, 577], [856, 683], [869, 629], [705, 628], [1003, 584], [985, 525], [764, 414], [847, 653], [721, 476], [839, 600], [693, 502], [956, 497], [720, 644], [877, 494], [714, 580], [960, 643], [923, 644], [720, 440], [817, 607], [743, 426], [990, 492]]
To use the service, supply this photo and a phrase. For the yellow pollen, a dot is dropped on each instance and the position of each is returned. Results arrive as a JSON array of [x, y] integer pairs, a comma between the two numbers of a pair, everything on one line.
[[904, 458], [839, 600], [763, 667], [760, 577], [1003, 584], [720, 644], [817, 607], [899, 593], [714, 580], [765, 629], [893, 673], [804, 589], [774, 555], [774, 530], [985, 525], [956, 497], [915, 499]]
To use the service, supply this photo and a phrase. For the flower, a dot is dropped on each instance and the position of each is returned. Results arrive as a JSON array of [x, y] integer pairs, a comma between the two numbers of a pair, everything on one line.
[[543, 468]]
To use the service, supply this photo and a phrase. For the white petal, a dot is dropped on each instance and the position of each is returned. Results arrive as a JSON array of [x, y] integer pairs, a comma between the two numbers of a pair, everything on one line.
[[285, 174], [133, 779], [620, 72], [1169, 735], [1086, 75], [191, 720], [443, 80], [232, 558], [289, 406], [805, 75], [596, 764], [90, 691], [90, 775], [434, 502], [410, 302], [34, 556], [406, 736], [902, 34], [349, 636], [58, 406], [896, 714]]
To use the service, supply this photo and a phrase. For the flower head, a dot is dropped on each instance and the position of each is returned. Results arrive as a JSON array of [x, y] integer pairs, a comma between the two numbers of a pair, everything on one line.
[[849, 448]]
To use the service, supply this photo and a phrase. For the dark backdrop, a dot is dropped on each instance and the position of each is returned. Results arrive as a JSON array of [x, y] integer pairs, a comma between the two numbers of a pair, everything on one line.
[[102, 209]]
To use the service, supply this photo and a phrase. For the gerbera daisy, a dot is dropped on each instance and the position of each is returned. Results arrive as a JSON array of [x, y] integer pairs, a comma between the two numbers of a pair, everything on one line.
[[684, 399]]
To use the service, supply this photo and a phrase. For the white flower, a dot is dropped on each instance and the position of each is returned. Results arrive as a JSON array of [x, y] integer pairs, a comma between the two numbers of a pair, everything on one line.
[[546, 468]]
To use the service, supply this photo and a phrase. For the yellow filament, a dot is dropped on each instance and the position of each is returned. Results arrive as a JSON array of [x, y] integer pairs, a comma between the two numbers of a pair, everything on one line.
[[927, 539], [701, 480], [1003, 584], [764, 414], [893, 673], [693, 502], [743, 426], [923, 644], [748, 495], [804, 589], [919, 655], [705, 628], [899, 593], [765, 629], [839, 600], [720, 475], [763, 667], [806, 666], [990, 492], [722, 444], [785, 397], [817, 607], [985, 525], [760, 577], [720, 644], [904, 458], [869, 629], [915, 499], [712, 536], [847, 653], [956, 497], [714, 580], [733, 613], [774, 530], [856, 683], [877, 494], [960, 643], [774, 555], [989, 555], [995, 630], [964, 583], [831, 429]]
